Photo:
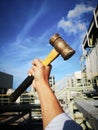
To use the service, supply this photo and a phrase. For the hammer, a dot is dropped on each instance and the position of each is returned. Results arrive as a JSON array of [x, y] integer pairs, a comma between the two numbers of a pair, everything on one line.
[[60, 47]]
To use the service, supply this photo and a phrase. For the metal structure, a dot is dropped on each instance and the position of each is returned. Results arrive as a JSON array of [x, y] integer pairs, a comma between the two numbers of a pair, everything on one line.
[[89, 59], [79, 93], [89, 65]]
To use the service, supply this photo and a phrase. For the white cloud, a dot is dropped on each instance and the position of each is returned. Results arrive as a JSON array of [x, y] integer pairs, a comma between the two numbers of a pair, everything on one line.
[[63, 23], [73, 23], [70, 26], [79, 10]]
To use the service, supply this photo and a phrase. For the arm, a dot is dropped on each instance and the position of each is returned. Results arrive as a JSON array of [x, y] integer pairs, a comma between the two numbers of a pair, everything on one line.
[[49, 104], [54, 118]]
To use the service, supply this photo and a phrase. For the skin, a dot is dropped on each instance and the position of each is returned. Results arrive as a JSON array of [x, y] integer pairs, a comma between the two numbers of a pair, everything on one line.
[[50, 107]]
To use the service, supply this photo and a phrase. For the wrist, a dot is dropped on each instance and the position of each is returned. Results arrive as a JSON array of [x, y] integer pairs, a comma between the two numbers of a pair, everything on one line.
[[41, 85]]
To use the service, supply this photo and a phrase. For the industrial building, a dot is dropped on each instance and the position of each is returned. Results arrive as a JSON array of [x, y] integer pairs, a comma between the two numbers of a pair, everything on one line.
[[79, 93], [89, 65]]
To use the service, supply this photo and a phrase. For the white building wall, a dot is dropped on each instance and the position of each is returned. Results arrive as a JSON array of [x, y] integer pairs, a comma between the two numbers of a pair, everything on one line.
[[92, 63]]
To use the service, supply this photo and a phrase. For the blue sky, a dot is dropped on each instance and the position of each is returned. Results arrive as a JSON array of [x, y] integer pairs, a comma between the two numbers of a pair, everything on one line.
[[26, 27]]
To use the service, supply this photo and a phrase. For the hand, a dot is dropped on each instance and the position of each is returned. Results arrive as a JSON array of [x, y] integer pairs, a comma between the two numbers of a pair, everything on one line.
[[40, 72]]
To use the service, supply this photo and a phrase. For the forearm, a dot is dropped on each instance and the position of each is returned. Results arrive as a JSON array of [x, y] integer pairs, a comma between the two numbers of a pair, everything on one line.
[[50, 106]]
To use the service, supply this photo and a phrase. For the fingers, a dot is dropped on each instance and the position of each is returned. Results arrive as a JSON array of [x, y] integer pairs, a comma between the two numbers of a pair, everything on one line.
[[48, 69], [47, 72], [37, 62], [30, 72]]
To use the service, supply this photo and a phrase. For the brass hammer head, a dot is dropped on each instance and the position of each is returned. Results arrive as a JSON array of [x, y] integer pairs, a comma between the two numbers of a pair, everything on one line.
[[61, 46]]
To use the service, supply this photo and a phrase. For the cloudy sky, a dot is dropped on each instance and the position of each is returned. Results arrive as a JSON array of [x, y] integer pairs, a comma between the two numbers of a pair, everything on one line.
[[26, 27]]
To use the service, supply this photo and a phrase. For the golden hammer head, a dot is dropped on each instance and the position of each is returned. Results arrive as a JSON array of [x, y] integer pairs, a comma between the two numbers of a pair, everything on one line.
[[61, 46]]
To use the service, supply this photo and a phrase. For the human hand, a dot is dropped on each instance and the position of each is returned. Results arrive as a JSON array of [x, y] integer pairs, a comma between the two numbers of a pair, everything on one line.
[[40, 72]]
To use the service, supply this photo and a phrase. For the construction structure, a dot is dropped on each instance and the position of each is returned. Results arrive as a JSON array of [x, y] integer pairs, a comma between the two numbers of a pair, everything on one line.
[[89, 65], [79, 92]]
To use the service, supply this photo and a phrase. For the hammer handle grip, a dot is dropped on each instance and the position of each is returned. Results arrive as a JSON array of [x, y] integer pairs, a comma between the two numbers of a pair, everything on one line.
[[21, 88], [28, 81]]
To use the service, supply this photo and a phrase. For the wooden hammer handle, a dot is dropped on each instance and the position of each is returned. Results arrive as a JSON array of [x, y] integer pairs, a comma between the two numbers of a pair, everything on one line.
[[51, 56]]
